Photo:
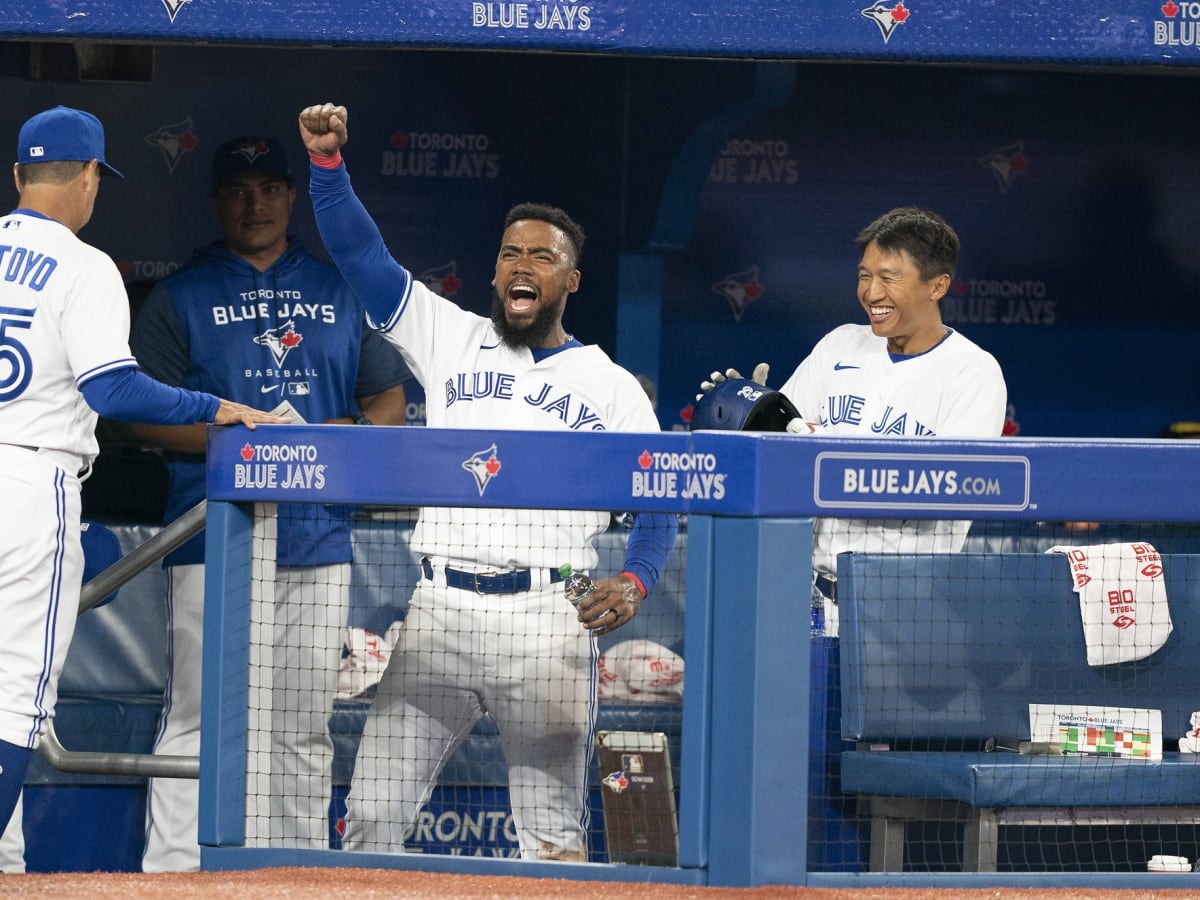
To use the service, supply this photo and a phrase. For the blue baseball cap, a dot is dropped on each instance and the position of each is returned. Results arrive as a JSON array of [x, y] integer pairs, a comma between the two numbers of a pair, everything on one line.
[[63, 134], [249, 153]]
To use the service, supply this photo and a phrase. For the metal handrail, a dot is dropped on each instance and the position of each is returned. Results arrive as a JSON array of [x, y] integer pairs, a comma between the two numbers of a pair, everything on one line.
[[124, 570]]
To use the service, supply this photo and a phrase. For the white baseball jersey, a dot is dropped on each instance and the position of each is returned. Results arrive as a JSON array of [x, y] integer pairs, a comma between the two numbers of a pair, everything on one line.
[[64, 319], [851, 384], [473, 380]]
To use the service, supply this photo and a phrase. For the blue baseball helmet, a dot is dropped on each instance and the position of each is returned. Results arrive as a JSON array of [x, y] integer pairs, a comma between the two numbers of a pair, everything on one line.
[[739, 404]]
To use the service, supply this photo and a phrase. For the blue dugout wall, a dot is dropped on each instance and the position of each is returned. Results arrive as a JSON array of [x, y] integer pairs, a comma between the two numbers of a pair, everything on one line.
[[749, 501], [721, 156]]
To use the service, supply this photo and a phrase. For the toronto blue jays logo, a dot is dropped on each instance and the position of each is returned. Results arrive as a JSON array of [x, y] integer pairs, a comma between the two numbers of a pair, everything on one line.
[[174, 6], [616, 781], [740, 289], [175, 141], [887, 16], [484, 465], [442, 280], [1006, 163], [280, 341], [251, 150]]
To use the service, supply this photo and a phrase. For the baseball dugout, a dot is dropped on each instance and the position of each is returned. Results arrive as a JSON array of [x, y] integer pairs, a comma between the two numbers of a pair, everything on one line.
[[747, 738]]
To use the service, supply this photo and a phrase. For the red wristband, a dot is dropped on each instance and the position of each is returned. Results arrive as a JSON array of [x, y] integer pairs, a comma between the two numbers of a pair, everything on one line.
[[325, 162], [641, 587]]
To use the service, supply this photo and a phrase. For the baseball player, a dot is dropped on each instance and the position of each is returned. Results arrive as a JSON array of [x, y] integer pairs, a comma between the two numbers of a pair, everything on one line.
[[489, 629], [903, 373], [64, 358], [256, 317]]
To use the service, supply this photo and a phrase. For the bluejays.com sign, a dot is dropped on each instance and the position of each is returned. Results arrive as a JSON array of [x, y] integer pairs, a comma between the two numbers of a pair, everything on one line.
[[912, 482]]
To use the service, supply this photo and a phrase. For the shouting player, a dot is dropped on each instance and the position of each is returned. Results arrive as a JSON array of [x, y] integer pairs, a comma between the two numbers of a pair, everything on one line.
[[903, 373], [489, 629], [64, 358]]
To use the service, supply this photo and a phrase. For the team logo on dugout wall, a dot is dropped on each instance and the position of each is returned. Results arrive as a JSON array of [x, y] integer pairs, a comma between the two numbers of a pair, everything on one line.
[[1180, 25], [1006, 163], [173, 7], [887, 16], [740, 289], [442, 280], [484, 466], [175, 141]]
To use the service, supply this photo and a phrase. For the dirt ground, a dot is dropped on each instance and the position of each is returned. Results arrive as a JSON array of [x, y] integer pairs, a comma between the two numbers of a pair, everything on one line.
[[359, 883]]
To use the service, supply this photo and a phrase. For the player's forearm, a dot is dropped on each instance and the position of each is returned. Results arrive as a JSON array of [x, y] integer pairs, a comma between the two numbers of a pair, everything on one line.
[[356, 246], [387, 407], [649, 545], [130, 395]]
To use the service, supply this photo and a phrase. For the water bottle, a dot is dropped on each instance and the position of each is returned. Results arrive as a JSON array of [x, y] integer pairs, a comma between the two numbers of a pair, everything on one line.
[[817, 613], [576, 585]]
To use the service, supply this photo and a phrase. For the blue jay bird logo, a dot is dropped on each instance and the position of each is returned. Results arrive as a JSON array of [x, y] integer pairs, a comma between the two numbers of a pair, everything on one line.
[[484, 466], [280, 341], [1006, 163], [740, 289], [173, 7], [175, 141], [887, 16]]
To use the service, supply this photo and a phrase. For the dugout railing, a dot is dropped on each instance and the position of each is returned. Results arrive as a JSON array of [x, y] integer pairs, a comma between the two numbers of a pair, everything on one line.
[[747, 734]]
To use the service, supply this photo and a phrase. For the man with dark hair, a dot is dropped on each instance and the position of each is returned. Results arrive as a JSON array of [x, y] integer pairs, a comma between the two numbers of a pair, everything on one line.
[[489, 630], [255, 315], [903, 373]]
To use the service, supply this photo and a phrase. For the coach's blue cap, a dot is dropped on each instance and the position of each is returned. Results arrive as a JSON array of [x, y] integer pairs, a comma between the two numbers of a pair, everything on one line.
[[249, 153], [63, 134]]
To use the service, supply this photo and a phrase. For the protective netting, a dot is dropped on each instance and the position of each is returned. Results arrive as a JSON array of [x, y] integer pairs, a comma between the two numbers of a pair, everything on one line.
[[1019, 706], [487, 724]]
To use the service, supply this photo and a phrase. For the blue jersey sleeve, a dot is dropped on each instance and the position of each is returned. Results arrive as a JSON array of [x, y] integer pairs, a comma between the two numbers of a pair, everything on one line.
[[130, 395], [650, 543], [356, 246]]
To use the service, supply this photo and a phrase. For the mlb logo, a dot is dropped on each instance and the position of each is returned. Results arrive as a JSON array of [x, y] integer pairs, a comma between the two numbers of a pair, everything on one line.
[[299, 389], [37, 151]]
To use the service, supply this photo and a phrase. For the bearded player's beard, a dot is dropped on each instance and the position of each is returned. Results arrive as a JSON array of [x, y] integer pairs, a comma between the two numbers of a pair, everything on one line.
[[532, 335]]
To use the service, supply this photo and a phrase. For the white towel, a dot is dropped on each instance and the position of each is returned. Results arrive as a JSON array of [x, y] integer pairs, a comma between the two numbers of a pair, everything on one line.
[[1122, 600], [639, 671]]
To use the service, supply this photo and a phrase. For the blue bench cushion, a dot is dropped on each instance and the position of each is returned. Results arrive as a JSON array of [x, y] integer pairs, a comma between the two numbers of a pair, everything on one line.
[[956, 647], [985, 780]]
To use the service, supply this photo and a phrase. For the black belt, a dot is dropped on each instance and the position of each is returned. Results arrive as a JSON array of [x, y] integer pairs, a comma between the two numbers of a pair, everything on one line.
[[827, 587], [513, 581]]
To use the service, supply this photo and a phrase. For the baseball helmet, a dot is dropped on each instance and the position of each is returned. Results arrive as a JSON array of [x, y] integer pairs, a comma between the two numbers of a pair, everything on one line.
[[739, 404]]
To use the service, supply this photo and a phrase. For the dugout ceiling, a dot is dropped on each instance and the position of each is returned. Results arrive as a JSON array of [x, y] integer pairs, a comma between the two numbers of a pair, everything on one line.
[[1146, 32]]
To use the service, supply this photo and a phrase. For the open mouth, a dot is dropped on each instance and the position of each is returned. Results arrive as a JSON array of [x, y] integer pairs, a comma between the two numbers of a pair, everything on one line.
[[521, 297]]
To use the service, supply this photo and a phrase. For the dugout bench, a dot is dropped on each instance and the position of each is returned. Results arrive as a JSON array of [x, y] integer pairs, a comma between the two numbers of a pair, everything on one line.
[[942, 654]]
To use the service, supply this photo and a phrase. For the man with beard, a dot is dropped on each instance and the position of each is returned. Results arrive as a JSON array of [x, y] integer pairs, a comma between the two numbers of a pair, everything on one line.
[[488, 629]]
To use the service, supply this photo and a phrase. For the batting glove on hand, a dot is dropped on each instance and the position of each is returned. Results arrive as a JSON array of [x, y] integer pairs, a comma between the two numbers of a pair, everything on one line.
[[759, 377], [800, 426]]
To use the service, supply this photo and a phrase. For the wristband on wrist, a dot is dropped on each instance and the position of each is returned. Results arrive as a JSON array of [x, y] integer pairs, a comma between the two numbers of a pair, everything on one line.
[[325, 162], [641, 587], [363, 419]]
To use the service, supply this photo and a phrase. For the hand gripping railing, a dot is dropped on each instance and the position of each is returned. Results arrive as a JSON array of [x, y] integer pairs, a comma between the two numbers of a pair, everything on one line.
[[120, 573]]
